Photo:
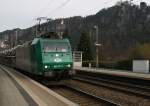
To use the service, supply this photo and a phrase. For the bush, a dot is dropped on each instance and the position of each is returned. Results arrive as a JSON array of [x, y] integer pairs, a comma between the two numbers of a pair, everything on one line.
[[124, 65]]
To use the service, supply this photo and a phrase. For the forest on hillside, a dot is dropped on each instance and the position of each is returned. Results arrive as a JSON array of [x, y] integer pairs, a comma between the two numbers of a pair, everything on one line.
[[124, 31]]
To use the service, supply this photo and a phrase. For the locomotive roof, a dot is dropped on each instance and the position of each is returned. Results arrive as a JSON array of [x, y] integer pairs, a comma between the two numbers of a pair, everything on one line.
[[49, 40]]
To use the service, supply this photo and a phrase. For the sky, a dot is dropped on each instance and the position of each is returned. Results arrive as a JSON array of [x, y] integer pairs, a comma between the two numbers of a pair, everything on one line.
[[23, 13]]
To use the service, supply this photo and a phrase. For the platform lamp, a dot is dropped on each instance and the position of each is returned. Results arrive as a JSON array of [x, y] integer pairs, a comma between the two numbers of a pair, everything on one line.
[[97, 46]]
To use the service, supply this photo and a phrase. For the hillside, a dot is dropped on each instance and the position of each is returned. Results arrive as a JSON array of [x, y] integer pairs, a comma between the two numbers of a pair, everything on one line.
[[121, 27]]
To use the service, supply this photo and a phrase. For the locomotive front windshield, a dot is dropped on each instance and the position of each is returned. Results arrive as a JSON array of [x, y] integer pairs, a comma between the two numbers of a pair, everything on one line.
[[56, 48]]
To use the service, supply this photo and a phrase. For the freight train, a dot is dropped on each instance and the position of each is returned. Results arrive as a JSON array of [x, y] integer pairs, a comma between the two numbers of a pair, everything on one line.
[[43, 56]]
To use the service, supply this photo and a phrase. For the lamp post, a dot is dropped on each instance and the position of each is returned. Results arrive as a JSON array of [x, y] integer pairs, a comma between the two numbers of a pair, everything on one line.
[[97, 46], [16, 38]]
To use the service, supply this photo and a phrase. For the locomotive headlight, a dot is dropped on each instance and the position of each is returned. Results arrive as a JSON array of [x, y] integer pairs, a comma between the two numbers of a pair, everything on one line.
[[68, 65], [57, 55], [46, 66]]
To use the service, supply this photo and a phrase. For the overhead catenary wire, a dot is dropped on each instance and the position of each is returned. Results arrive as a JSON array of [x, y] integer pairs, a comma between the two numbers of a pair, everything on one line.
[[52, 11], [63, 4], [45, 8], [59, 7]]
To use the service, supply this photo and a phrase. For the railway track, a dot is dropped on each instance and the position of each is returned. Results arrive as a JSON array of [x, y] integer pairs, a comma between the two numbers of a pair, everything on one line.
[[117, 93], [138, 90], [81, 97]]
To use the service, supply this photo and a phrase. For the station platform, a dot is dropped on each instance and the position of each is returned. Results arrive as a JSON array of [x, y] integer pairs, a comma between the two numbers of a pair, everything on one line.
[[9, 94], [19, 90], [120, 73]]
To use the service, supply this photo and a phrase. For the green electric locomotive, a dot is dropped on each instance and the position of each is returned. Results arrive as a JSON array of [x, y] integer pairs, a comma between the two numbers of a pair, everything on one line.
[[45, 57]]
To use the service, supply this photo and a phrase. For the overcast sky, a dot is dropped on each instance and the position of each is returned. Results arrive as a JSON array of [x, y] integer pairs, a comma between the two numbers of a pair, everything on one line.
[[22, 13]]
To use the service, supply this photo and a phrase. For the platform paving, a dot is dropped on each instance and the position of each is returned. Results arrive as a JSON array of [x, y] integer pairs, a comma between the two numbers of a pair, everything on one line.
[[115, 72], [9, 93], [33, 92]]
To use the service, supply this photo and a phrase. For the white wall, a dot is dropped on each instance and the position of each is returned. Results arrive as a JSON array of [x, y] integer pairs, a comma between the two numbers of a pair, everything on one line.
[[77, 64], [141, 66]]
